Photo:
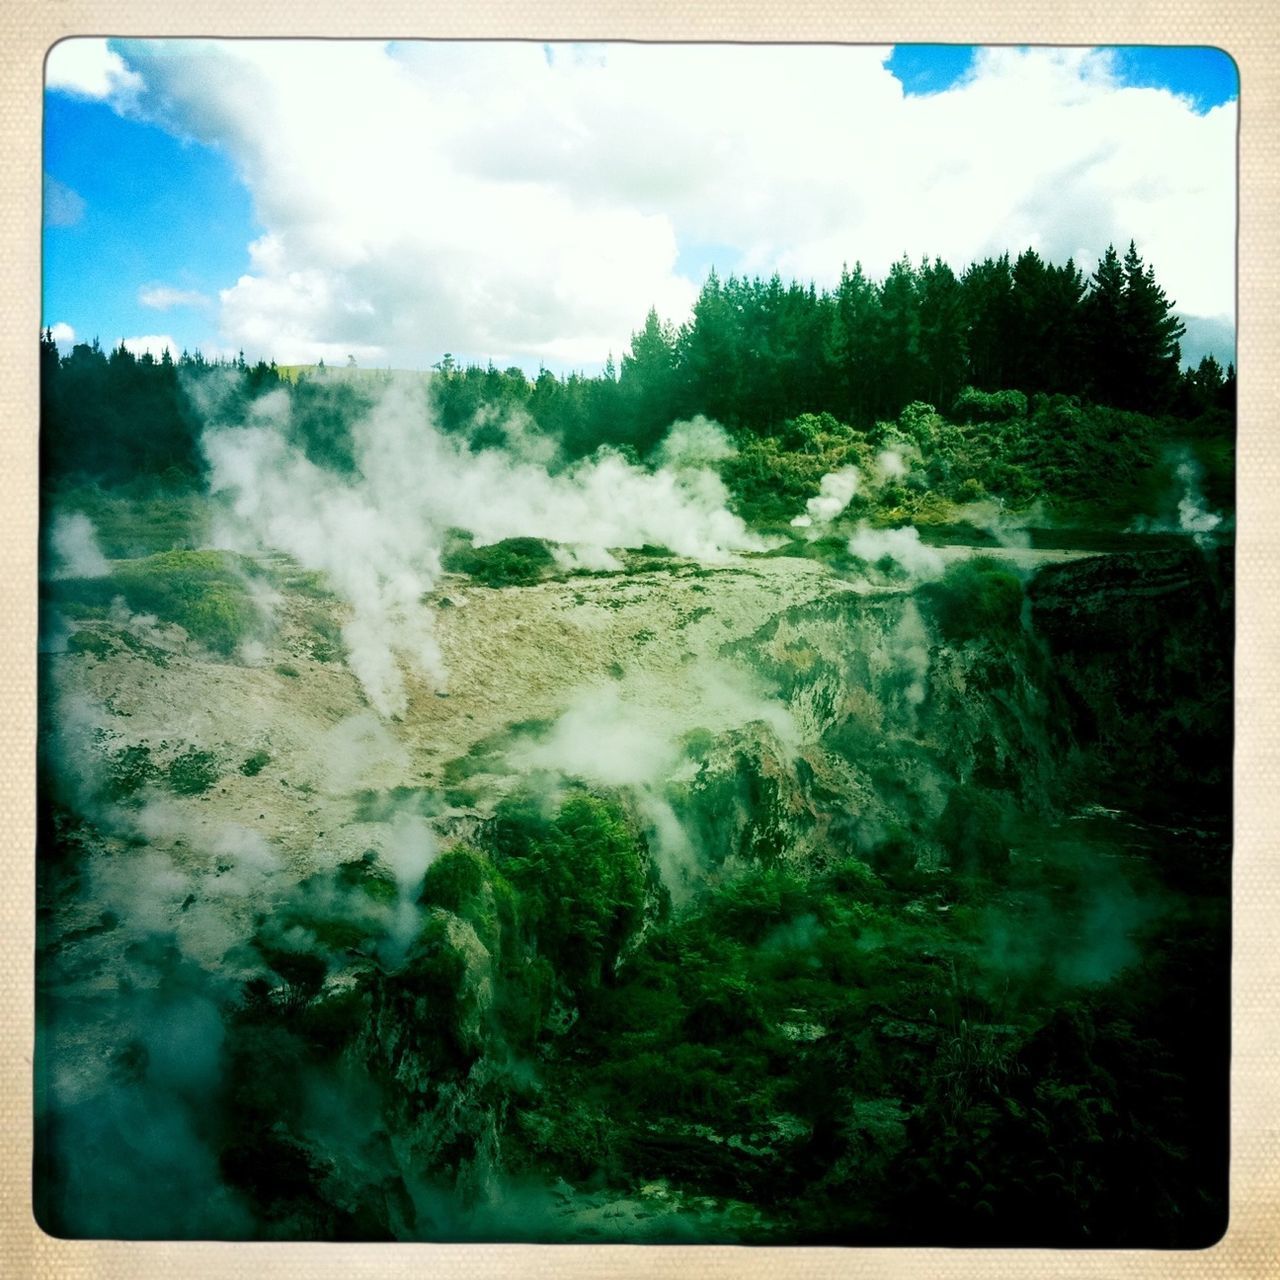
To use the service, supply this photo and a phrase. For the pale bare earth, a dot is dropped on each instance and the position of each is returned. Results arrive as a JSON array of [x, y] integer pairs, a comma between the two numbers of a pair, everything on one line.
[[651, 640], [513, 655]]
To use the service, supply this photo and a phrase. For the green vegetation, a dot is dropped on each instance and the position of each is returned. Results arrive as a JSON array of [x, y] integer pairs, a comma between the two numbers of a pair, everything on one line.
[[914, 993], [582, 875], [204, 592], [512, 562], [128, 771], [252, 765], [976, 598], [755, 355], [193, 772]]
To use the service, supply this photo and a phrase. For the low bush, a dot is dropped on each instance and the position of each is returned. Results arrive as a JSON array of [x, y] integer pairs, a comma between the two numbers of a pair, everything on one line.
[[975, 598], [513, 562], [193, 772], [972, 405]]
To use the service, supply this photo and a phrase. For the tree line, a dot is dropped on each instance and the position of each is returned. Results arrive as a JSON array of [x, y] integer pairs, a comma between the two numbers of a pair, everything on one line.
[[753, 354]]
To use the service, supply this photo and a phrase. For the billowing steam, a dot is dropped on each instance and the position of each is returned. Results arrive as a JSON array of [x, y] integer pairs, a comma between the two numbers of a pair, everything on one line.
[[902, 546], [1194, 516], [377, 533], [835, 492], [74, 542]]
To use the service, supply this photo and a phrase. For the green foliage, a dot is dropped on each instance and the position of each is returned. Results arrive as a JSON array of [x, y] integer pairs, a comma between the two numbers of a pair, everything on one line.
[[972, 405], [971, 829], [93, 405], [129, 770], [464, 881], [252, 765], [513, 562], [141, 516], [455, 878], [771, 477], [204, 592], [369, 876], [581, 875], [193, 772], [976, 599]]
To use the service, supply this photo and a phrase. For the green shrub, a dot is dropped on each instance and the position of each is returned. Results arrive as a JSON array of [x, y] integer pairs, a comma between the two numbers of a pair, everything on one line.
[[193, 772], [254, 764], [455, 877], [975, 598], [972, 405], [581, 875], [204, 592], [513, 562], [368, 875]]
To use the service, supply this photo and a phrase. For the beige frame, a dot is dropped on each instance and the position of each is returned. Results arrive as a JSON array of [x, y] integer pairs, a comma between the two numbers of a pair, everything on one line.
[[1246, 30]]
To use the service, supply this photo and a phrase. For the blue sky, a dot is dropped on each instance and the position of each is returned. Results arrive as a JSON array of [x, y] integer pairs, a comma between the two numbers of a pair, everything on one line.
[[162, 171], [1207, 76], [157, 211]]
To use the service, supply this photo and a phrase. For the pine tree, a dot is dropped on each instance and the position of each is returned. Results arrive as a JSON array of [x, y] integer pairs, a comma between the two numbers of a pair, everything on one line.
[[942, 332], [1151, 333], [647, 383], [987, 289], [1106, 326]]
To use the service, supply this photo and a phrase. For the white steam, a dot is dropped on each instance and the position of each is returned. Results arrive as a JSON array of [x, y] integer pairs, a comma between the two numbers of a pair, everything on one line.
[[75, 547], [1194, 516], [891, 464], [699, 442], [1008, 530], [377, 533], [902, 546], [835, 492]]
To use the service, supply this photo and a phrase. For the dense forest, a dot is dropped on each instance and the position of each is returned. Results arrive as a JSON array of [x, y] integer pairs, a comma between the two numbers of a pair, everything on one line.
[[754, 355]]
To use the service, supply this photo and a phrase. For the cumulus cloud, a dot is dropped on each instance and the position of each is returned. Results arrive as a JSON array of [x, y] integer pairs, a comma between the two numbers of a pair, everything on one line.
[[62, 333], [525, 202], [88, 68], [164, 296]]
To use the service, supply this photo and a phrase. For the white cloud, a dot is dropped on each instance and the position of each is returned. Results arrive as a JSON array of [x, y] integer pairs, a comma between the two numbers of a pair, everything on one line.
[[88, 68], [164, 296], [63, 207], [502, 200], [156, 343], [62, 333]]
